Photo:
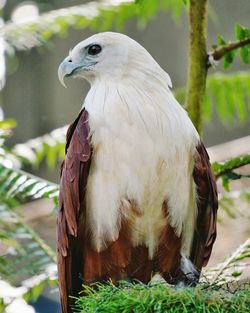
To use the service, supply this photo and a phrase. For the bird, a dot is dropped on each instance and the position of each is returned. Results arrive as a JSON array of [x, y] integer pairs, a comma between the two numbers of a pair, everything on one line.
[[137, 193]]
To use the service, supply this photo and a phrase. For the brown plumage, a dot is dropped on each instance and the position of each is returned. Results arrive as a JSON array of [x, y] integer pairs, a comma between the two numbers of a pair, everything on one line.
[[79, 263], [74, 173], [207, 203]]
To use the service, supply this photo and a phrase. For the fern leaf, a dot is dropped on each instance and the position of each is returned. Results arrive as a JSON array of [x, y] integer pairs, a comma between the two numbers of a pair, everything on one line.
[[18, 184], [25, 254], [28, 255], [228, 95]]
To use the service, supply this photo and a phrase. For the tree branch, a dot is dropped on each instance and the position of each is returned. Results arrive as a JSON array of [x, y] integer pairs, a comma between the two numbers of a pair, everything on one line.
[[230, 165], [219, 53]]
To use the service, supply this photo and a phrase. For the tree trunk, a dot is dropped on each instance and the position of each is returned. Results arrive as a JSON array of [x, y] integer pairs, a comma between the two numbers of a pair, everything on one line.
[[197, 67]]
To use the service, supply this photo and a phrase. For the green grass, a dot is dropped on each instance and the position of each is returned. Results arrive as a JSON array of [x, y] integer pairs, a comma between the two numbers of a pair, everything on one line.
[[140, 298]]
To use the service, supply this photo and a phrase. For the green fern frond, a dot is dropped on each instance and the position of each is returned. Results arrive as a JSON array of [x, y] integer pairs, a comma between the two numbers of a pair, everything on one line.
[[26, 253], [6, 127], [15, 183], [98, 15], [30, 251], [228, 95], [27, 259]]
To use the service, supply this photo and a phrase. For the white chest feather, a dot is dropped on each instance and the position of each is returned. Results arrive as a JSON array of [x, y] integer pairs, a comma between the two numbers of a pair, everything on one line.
[[143, 146]]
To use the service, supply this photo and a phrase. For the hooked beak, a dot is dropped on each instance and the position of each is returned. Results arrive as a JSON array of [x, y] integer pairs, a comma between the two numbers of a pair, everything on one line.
[[67, 68]]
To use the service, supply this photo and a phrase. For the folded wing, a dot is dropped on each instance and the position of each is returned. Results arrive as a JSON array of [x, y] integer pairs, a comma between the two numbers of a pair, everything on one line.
[[74, 174], [207, 205]]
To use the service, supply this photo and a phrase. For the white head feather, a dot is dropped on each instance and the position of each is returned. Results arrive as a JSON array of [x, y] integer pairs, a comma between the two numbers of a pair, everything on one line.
[[120, 57]]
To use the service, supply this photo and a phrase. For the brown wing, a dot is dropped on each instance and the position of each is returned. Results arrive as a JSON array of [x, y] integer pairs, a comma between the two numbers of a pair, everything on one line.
[[74, 174], [207, 203]]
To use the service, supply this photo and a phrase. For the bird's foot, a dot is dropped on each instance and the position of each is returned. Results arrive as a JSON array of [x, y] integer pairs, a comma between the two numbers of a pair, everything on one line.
[[190, 274]]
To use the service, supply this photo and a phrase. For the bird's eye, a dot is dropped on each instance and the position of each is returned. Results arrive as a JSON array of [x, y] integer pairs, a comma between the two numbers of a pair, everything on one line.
[[94, 49]]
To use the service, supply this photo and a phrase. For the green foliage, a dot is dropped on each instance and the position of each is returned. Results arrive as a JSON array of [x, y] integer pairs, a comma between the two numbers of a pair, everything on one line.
[[158, 298], [17, 184], [231, 49], [2, 306], [29, 255], [230, 56], [49, 147], [34, 291], [243, 33], [226, 169], [26, 254], [99, 16], [33, 254], [228, 95], [6, 127], [148, 9]]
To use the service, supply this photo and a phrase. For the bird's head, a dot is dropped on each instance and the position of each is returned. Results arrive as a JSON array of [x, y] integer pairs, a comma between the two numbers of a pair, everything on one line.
[[106, 55]]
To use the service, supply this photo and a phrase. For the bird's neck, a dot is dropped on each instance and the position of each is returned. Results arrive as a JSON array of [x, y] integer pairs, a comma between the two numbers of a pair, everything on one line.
[[120, 97], [149, 107]]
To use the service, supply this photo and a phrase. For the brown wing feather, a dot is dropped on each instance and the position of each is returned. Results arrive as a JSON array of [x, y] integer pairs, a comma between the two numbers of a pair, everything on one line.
[[74, 174], [207, 203]]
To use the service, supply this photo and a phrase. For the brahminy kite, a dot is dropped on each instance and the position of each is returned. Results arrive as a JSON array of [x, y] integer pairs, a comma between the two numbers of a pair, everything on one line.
[[137, 194]]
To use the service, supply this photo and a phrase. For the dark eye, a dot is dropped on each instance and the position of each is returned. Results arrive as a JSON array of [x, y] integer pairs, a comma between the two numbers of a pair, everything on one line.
[[94, 49]]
